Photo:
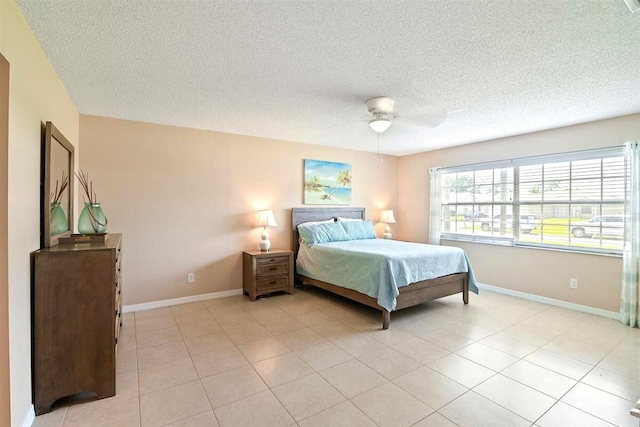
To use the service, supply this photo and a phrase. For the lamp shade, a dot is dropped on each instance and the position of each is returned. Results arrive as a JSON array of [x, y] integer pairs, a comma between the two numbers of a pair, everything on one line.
[[379, 123], [387, 217], [265, 219]]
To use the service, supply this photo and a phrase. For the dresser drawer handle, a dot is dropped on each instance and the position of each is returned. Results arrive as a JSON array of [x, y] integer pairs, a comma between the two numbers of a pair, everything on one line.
[[273, 268], [272, 260], [273, 282]]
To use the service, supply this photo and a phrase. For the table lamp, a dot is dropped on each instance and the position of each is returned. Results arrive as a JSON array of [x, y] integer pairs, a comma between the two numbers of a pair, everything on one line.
[[265, 219], [387, 218]]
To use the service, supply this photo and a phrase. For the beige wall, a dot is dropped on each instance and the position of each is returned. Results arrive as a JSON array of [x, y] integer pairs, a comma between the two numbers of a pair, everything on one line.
[[186, 199], [36, 95], [544, 273]]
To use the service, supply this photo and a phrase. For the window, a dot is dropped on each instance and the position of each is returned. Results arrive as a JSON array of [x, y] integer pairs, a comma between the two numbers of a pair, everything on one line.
[[571, 201]]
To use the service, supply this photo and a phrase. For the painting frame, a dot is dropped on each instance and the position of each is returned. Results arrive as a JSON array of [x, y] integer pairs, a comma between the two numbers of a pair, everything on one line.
[[327, 183]]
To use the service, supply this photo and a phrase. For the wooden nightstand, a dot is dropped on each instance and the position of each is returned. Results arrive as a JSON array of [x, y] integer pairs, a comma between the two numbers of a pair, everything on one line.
[[266, 272]]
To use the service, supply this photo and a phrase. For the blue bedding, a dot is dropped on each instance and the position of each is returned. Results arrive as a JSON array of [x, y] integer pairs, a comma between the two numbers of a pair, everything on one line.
[[378, 267]]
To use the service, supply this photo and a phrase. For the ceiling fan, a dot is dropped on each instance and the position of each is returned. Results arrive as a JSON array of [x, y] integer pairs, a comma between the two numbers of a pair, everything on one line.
[[381, 109], [383, 114]]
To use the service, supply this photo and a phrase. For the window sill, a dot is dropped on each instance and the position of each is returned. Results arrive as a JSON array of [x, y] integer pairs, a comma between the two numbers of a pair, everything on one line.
[[500, 241], [511, 243]]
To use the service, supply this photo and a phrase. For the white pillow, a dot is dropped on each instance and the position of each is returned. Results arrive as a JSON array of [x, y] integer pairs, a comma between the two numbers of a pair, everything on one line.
[[348, 219]]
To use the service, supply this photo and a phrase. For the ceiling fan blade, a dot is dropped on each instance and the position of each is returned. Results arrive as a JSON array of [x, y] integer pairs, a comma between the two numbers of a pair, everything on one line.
[[426, 120], [400, 128], [433, 119]]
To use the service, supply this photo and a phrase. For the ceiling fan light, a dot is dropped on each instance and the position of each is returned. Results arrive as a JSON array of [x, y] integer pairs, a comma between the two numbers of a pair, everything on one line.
[[379, 124]]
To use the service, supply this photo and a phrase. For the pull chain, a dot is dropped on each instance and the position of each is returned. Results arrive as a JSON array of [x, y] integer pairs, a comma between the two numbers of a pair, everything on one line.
[[381, 159]]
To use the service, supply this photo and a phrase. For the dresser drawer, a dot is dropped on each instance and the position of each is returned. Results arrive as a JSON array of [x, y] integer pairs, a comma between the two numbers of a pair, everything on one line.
[[117, 328], [118, 293], [118, 258], [273, 282], [271, 269]]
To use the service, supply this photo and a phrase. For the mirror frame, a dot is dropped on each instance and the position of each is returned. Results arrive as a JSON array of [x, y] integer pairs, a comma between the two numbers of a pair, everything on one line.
[[53, 136]]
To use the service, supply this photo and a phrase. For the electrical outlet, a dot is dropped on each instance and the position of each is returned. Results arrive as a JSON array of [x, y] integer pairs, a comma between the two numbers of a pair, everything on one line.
[[191, 277], [573, 283]]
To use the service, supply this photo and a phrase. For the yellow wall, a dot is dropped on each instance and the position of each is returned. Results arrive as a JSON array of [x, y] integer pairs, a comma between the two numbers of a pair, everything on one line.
[[186, 200], [534, 271], [36, 95], [5, 390]]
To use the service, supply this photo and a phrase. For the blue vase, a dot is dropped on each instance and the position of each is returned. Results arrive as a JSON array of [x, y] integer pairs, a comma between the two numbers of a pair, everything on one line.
[[58, 220], [92, 219]]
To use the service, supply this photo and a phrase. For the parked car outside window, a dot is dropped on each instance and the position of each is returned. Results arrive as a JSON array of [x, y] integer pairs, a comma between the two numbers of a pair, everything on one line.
[[603, 225], [475, 215], [528, 222]]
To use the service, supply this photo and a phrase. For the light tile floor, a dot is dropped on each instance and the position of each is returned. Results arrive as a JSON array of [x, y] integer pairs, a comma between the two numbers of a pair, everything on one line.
[[314, 359]]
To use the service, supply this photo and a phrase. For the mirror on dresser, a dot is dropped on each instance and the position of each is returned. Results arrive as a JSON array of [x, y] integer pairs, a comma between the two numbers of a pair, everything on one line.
[[56, 198]]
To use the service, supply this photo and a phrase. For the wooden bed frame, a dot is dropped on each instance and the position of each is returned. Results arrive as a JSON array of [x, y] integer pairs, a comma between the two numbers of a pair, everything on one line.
[[413, 294]]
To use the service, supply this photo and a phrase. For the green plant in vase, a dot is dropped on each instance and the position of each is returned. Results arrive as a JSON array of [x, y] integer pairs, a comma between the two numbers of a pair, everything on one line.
[[58, 222], [92, 219]]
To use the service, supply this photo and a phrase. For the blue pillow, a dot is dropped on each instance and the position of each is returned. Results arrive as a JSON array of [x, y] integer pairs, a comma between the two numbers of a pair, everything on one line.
[[358, 230], [323, 233]]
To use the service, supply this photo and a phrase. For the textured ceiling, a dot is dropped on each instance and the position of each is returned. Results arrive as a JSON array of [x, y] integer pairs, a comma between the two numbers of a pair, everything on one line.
[[302, 70]]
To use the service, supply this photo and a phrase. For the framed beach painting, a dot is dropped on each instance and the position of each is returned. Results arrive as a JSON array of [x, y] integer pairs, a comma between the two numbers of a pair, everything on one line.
[[327, 183]]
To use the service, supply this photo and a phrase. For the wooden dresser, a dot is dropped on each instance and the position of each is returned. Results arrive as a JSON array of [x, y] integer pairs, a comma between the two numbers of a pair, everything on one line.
[[266, 272], [76, 311]]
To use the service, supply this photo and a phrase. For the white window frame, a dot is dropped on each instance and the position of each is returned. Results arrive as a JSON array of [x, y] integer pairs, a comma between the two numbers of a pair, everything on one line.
[[516, 203]]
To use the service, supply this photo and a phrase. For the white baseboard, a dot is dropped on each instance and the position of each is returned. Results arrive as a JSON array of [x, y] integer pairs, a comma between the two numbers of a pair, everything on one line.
[[181, 300], [559, 303], [531, 297], [29, 417]]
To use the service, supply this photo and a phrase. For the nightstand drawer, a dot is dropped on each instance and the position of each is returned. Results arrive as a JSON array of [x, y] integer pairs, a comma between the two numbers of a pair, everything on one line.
[[272, 259], [271, 269], [274, 282]]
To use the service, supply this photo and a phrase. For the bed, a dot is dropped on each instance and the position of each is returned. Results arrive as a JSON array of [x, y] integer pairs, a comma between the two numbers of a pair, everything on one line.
[[418, 292]]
